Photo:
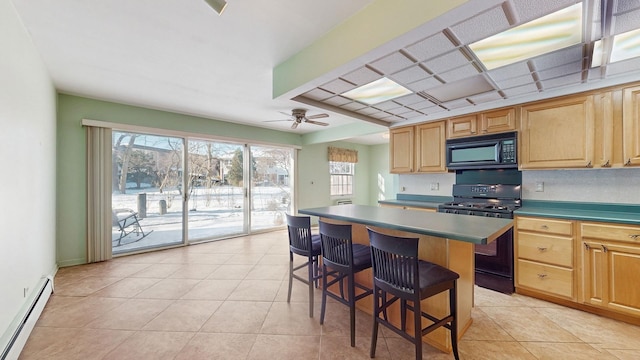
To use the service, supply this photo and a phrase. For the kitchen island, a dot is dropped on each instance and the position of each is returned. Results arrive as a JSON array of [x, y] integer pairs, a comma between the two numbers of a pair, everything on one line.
[[445, 239]]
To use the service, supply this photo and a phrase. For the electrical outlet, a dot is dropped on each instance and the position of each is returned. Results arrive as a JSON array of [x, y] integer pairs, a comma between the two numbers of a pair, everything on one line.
[[435, 186], [25, 292], [403, 189], [539, 186]]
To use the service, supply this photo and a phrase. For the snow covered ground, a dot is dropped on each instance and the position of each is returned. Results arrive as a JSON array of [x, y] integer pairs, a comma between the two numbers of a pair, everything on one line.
[[215, 212]]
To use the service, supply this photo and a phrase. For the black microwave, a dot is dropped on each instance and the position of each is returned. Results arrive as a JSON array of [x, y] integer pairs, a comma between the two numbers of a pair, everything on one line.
[[496, 151]]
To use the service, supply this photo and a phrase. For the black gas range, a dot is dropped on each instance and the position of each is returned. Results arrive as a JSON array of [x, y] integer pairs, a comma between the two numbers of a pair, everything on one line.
[[494, 261]]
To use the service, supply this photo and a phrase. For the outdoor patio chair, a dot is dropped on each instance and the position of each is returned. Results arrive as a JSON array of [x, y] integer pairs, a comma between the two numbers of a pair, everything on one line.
[[127, 222]]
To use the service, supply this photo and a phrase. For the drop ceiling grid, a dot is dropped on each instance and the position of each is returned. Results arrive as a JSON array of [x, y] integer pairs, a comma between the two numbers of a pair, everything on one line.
[[443, 57]]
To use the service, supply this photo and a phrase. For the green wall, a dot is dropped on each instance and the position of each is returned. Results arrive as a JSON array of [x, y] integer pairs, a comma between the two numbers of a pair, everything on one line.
[[313, 170]]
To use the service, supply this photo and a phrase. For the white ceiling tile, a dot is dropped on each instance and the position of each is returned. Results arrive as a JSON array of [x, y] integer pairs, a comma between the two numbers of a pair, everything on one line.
[[412, 115], [514, 82], [557, 58], [431, 47], [337, 101], [510, 71], [446, 62], [521, 90], [571, 79], [338, 86], [409, 99], [401, 111], [625, 5], [368, 111], [354, 106], [462, 72], [560, 70], [423, 105], [456, 104], [481, 26], [409, 75], [387, 105], [392, 63], [317, 94], [362, 76], [485, 97], [423, 84], [626, 22], [623, 67], [434, 110], [595, 74], [528, 10]]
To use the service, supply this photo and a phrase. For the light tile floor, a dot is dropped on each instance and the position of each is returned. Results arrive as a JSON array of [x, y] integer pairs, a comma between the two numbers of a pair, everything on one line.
[[227, 300]]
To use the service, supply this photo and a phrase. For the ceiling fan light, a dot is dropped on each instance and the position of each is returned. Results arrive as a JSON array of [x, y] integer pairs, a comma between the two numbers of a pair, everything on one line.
[[217, 5]]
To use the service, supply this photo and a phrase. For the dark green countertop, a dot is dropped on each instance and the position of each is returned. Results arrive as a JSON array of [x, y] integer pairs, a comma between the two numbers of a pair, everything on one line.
[[602, 212], [419, 201], [473, 229]]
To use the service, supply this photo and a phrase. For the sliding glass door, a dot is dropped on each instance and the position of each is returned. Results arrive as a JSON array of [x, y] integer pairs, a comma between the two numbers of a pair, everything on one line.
[[216, 197], [147, 199], [174, 190]]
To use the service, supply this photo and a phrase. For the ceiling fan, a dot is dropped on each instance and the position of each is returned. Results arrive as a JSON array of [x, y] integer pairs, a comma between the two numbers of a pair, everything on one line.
[[298, 116]]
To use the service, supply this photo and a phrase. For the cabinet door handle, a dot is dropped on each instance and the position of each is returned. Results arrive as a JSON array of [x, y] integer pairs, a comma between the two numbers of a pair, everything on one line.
[[634, 236], [542, 276], [628, 162], [542, 249], [589, 165], [544, 227], [586, 246], [606, 164], [604, 248]]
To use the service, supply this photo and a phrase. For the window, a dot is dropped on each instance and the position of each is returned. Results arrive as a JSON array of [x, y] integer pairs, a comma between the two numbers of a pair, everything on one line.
[[341, 177]]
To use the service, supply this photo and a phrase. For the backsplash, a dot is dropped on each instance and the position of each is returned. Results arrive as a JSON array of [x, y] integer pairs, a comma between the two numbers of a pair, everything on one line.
[[592, 185]]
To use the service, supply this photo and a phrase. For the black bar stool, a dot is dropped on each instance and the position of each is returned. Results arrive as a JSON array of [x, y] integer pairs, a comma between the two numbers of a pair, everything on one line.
[[303, 243], [342, 259], [398, 272]]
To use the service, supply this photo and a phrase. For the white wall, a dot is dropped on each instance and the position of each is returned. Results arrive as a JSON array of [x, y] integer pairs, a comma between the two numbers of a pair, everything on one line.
[[27, 160]]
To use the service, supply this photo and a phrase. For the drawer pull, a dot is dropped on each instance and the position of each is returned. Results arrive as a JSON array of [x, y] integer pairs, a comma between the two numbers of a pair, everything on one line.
[[628, 162], [606, 164], [542, 249], [604, 248], [542, 276], [634, 236], [586, 246], [589, 165], [544, 227]]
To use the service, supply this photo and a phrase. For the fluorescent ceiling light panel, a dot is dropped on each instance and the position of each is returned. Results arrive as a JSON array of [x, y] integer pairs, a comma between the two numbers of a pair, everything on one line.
[[626, 46], [378, 91], [596, 58], [552, 32], [217, 5]]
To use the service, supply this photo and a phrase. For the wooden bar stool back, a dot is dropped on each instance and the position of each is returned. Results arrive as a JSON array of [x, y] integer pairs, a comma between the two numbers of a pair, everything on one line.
[[302, 242], [398, 274], [342, 259]]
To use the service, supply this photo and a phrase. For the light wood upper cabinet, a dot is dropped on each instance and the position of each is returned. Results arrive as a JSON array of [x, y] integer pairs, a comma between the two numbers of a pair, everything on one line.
[[498, 121], [430, 147], [558, 134], [402, 148], [501, 120], [462, 126], [631, 126], [611, 266]]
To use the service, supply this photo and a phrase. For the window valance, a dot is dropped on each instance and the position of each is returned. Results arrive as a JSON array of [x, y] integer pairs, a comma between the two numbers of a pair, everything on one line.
[[343, 155]]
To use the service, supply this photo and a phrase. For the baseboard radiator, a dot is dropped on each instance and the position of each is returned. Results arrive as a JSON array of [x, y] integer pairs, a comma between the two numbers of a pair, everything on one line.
[[24, 328], [344, 202]]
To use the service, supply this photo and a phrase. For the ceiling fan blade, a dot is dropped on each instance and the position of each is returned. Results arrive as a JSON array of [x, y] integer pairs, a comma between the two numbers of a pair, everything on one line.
[[285, 114], [277, 120], [318, 116], [294, 125], [317, 122]]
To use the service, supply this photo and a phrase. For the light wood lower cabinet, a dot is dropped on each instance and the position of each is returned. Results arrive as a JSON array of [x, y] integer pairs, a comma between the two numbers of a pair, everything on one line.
[[545, 256], [611, 266]]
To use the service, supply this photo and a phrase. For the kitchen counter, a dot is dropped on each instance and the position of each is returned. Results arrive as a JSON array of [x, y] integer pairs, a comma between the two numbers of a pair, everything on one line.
[[473, 229], [417, 201], [603, 212]]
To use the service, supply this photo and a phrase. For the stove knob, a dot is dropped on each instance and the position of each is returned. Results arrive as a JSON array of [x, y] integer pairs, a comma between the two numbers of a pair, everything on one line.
[[455, 211], [498, 215], [487, 214]]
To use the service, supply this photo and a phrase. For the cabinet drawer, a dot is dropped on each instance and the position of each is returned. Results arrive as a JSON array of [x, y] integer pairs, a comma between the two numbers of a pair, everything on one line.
[[561, 227], [548, 278], [549, 249], [625, 233]]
